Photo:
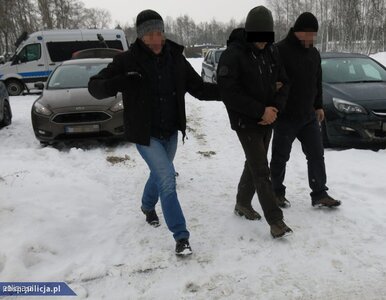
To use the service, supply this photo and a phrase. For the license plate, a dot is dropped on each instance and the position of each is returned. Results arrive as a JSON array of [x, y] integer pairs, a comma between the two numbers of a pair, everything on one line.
[[82, 128]]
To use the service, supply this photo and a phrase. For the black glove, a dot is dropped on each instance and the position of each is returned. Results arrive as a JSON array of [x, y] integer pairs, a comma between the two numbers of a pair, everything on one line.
[[124, 81]]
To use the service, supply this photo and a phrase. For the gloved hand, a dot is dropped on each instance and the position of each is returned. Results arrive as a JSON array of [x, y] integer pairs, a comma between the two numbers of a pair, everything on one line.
[[124, 81]]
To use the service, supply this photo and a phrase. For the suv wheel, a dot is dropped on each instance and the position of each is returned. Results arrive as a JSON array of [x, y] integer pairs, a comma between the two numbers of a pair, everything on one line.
[[14, 87]]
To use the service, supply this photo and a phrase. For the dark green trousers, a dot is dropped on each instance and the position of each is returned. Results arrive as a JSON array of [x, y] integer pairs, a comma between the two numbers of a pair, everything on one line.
[[256, 174]]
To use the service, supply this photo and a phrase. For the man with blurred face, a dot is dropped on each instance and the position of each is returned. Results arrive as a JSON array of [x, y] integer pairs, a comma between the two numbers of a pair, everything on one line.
[[254, 87], [303, 113], [153, 76]]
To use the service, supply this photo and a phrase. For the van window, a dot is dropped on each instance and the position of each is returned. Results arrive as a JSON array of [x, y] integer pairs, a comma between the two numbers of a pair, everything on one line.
[[60, 51], [30, 52]]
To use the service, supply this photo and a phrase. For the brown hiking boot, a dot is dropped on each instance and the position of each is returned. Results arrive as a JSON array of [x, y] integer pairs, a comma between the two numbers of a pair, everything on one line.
[[248, 212], [282, 202], [326, 201], [280, 229]]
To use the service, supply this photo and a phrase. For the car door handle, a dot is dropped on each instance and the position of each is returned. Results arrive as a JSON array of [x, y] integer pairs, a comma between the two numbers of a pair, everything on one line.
[[52, 64], [40, 65]]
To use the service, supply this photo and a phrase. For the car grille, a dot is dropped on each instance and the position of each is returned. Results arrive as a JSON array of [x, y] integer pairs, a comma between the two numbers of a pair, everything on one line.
[[84, 117], [380, 113]]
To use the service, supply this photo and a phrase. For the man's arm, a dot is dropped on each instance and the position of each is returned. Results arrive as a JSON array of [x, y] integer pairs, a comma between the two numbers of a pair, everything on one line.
[[111, 80], [318, 104], [282, 84], [197, 87]]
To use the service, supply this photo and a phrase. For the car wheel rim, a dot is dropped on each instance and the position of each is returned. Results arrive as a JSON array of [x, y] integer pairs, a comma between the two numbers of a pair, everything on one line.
[[14, 89]]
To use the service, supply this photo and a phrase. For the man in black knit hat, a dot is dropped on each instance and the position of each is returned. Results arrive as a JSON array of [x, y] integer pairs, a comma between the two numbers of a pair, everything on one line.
[[254, 88], [303, 112], [153, 76]]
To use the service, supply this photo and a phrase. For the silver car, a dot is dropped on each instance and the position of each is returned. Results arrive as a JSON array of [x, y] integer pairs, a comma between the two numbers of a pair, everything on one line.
[[209, 65], [5, 107], [67, 111]]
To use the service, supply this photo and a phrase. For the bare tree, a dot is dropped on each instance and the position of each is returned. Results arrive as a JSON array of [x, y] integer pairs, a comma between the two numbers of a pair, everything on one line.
[[96, 18], [45, 8]]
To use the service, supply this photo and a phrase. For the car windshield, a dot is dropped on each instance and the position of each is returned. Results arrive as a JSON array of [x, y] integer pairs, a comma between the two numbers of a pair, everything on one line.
[[352, 70], [74, 76]]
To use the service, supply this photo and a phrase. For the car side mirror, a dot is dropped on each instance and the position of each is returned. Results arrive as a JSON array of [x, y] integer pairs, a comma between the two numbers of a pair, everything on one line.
[[39, 85]]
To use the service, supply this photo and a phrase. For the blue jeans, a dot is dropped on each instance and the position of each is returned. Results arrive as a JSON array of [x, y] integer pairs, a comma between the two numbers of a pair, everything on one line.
[[159, 157]]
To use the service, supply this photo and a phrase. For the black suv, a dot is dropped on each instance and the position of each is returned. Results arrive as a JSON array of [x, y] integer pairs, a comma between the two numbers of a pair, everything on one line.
[[209, 65], [5, 108]]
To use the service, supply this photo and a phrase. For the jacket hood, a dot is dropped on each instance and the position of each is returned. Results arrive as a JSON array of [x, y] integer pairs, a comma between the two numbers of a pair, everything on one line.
[[237, 36]]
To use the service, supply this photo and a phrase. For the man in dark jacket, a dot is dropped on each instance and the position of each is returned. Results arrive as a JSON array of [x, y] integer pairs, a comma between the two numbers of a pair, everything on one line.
[[253, 86], [303, 112], [153, 77]]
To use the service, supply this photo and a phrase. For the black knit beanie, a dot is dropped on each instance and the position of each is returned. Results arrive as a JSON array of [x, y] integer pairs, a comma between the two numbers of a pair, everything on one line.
[[259, 25], [306, 22], [148, 21]]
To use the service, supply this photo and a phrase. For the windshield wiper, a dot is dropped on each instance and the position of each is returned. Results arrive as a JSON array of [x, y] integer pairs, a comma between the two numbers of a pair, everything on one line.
[[363, 81]]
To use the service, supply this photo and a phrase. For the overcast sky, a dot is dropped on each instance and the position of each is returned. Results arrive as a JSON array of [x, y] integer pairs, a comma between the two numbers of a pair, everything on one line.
[[125, 11]]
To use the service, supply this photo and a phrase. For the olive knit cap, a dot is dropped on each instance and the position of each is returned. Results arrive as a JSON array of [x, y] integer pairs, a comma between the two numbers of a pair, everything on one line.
[[259, 25]]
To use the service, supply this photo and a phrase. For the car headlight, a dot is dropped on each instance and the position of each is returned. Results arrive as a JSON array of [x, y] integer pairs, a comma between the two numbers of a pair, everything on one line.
[[117, 106], [348, 107], [41, 109]]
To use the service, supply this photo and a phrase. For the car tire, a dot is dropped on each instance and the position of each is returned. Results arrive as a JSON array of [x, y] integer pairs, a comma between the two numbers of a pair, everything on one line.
[[326, 142], [44, 144], [7, 116], [14, 87]]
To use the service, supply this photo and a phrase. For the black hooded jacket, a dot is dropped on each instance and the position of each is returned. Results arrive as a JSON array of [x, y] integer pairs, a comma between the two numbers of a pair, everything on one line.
[[305, 74], [144, 91], [247, 80]]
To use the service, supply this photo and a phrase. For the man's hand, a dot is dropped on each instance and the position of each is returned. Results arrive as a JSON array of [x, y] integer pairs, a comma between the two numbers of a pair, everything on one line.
[[269, 116], [278, 85], [319, 114]]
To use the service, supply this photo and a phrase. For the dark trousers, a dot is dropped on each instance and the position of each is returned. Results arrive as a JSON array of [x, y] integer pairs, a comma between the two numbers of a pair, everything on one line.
[[308, 132], [255, 176]]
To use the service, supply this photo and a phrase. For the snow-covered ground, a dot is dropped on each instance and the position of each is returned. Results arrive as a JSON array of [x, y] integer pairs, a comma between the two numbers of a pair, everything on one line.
[[72, 215]]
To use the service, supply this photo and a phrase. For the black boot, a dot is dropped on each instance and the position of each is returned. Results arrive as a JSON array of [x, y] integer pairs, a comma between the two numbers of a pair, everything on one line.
[[183, 247], [151, 217]]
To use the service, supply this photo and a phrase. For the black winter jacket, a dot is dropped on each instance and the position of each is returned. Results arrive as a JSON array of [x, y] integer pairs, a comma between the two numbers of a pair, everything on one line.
[[305, 74], [247, 81], [130, 74]]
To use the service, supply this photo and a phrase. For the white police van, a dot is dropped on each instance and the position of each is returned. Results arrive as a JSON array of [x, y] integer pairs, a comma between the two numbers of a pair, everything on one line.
[[38, 54]]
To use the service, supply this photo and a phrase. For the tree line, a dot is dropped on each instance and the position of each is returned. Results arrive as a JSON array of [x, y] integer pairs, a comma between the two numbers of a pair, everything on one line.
[[344, 25]]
